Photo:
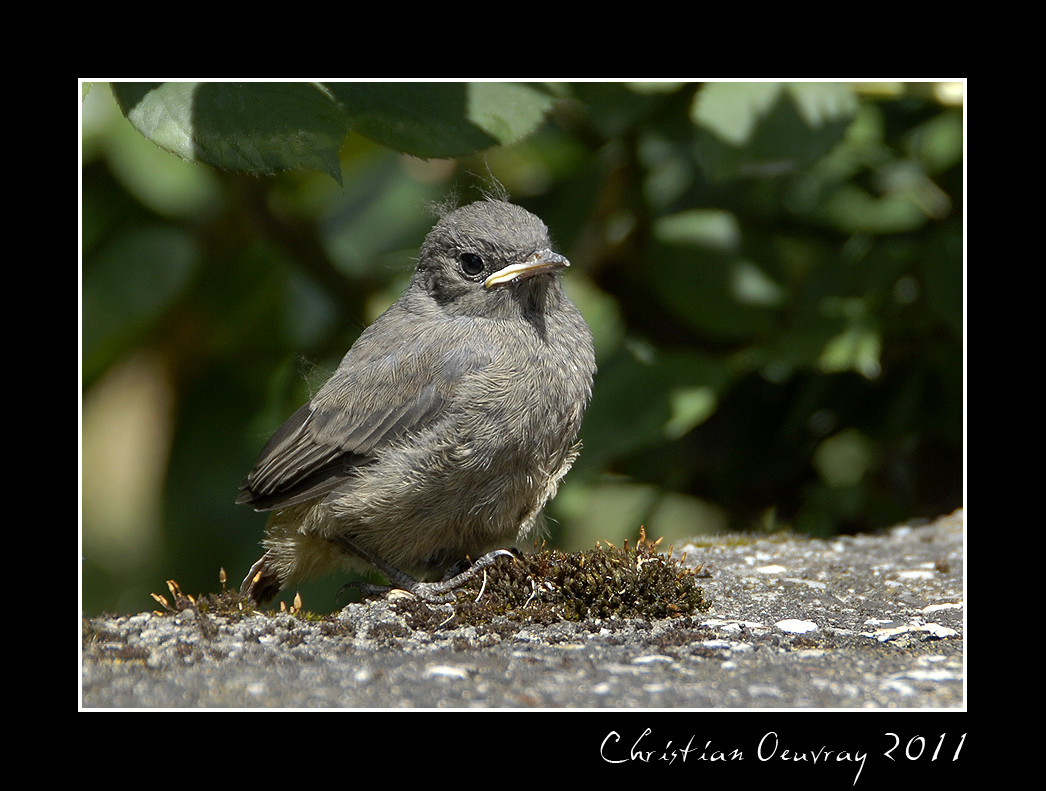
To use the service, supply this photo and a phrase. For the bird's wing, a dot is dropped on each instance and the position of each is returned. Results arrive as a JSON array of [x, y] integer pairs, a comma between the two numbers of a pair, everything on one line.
[[378, 394]]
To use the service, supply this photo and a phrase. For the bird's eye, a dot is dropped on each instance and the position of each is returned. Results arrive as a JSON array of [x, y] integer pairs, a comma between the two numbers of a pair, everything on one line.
[[471, 264]]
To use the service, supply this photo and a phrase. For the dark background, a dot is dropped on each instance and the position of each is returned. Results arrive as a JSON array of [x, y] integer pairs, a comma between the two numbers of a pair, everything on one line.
[[774, 275]]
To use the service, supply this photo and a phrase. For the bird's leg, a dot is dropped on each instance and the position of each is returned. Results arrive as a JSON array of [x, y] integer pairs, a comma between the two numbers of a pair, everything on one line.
[[437, 591], [428, 591]]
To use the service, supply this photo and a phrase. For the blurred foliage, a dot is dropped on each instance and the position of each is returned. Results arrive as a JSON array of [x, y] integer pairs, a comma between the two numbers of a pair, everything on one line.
[[773, 274]]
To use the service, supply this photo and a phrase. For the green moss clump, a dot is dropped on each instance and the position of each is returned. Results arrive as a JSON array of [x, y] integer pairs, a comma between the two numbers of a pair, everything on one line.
[[605, 582]]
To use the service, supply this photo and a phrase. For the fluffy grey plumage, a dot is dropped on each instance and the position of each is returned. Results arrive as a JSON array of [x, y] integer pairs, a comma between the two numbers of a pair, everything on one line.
[[448, 424]]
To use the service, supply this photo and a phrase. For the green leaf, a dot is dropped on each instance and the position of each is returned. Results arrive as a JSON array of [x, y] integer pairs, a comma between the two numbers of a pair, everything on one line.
[[766, 129], [442, 119], [719, 294], [644, 396], [262, 128], [257, 127]]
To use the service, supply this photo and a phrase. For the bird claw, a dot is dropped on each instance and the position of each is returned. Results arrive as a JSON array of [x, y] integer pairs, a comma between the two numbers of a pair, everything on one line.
[[432, 592]]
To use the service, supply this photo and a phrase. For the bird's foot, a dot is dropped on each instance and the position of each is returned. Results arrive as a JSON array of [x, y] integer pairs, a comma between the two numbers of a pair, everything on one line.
[[433, 592], [455, 578]]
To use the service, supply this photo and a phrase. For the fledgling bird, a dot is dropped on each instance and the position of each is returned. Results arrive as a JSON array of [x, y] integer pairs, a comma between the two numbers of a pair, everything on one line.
[[447, 426]]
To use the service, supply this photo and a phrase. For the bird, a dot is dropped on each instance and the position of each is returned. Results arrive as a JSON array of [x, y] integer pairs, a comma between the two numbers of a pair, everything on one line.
[[447, 426]]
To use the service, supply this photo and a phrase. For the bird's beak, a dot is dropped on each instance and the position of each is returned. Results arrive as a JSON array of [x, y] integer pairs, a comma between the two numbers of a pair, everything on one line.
[[538, 263]]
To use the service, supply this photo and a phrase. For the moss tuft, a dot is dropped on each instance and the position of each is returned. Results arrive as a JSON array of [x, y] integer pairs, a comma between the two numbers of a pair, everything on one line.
[[605, 582]]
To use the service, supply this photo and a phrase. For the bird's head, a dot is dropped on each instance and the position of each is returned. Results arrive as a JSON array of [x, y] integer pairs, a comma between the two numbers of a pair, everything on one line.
[[489, 258]]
